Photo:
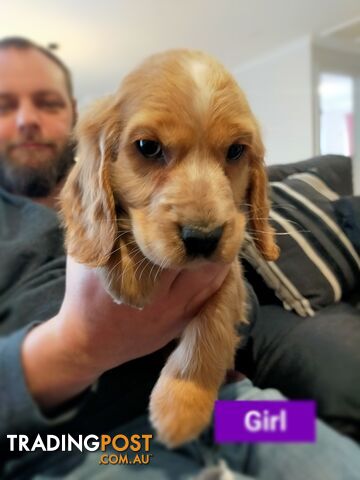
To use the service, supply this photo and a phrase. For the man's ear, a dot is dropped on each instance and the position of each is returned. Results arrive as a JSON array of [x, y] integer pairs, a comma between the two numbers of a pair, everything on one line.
[[87, 202], [74, 111]]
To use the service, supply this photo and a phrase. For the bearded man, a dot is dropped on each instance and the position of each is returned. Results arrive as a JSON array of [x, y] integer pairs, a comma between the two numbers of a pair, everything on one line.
[[37, 114]]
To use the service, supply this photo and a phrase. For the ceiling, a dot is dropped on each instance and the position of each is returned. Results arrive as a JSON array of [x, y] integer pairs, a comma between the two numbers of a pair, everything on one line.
[[347, 32], [102, 40]]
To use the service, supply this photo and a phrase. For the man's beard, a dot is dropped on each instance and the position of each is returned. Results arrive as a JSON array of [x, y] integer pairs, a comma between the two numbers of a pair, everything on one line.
[[39, 180]]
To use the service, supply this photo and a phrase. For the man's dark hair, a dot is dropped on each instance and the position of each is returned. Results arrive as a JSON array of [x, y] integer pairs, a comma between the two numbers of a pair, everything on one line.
[[22, 43]]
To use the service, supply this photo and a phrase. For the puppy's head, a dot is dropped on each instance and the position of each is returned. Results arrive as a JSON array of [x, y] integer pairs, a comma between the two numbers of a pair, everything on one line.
[[176, 158]]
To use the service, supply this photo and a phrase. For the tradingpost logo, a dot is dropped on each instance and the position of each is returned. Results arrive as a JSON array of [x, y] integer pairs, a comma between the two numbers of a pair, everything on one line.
[[119, 449]]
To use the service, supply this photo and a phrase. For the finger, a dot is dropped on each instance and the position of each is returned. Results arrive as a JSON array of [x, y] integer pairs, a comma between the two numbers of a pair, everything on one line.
[[191, 282], [73, 266], [199, 300], [165, 283], [193, 291], [82, 279]]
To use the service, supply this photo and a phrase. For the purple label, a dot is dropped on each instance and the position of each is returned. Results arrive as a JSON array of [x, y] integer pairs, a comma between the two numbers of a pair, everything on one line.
[[265, 421]]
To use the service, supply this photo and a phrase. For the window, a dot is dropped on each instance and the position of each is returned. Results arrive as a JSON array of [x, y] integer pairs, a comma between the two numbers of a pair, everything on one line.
[[336, 94]]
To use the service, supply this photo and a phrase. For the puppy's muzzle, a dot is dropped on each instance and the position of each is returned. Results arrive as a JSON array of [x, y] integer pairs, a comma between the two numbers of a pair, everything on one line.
[[199, 242]]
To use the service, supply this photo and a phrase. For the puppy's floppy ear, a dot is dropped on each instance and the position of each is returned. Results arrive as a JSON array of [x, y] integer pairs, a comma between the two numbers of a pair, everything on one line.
[[259, 205], [87, 202]]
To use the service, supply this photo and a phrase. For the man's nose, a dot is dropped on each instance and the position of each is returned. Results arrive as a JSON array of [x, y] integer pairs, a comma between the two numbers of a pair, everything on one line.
[[27, 118]]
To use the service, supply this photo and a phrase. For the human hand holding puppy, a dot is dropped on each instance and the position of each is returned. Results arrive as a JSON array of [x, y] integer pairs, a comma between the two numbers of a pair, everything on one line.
[[92, 334]]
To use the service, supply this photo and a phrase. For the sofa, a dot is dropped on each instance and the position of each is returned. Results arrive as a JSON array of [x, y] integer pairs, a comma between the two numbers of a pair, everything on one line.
[[308, 346]]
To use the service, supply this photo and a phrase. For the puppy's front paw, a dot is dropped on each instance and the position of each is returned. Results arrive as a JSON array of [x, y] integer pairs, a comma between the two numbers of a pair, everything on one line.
[[180, 409]]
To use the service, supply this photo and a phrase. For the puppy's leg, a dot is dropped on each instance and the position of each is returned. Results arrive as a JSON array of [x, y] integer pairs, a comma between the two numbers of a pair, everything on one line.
[[183, 398]]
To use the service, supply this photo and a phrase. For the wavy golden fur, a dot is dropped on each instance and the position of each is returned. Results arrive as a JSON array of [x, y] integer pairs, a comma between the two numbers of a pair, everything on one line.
[[123, 212]]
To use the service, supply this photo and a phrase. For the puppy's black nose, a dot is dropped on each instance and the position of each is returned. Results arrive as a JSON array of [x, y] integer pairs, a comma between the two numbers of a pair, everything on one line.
[[199, 242]]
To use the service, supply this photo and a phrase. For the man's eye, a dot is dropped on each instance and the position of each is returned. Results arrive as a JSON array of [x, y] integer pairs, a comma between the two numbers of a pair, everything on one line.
[[235, 151], [149, 149], [50, 104], [6, 107]]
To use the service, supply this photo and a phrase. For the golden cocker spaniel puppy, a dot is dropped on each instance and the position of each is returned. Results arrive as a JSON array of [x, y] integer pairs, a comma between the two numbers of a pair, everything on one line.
[[170, 172]]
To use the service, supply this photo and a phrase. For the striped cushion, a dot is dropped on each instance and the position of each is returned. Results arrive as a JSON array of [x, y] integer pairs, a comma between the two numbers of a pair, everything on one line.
[[318, 264]]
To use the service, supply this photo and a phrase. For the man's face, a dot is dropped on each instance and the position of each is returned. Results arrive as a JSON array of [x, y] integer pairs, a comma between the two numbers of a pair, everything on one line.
[[36, 119]]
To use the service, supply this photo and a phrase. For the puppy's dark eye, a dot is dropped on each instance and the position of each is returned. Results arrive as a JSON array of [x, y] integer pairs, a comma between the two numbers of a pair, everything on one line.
[[235, 151], [149, 148]]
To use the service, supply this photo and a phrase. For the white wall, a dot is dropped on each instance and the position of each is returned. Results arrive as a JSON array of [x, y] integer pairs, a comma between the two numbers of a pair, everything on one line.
[[356, 160], [279, 89]]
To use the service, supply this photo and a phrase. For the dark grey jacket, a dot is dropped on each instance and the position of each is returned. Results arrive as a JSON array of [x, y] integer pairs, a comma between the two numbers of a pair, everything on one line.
[[32, 268]]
